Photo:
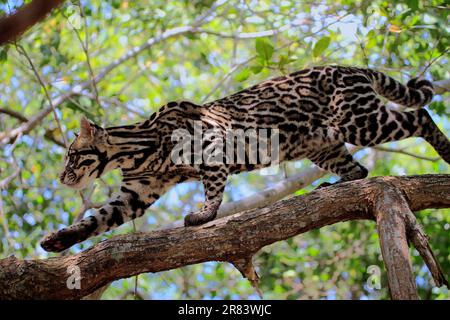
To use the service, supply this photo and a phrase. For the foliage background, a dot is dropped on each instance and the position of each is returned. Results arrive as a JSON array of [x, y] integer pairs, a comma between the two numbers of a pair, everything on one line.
[[237, 44]]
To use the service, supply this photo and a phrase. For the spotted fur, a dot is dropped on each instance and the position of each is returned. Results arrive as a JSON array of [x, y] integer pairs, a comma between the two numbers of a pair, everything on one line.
[[316, 111]]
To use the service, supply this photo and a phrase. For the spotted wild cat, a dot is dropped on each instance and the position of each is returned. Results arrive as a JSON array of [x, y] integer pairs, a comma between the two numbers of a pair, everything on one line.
[[316, 111]]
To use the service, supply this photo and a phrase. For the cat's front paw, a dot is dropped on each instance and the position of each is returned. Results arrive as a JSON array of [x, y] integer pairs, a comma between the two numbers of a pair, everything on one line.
[[198, 218], [59, 241], [324, 185]]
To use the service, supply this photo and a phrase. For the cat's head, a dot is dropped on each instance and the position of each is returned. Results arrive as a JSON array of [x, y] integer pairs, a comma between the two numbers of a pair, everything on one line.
[[86, 157]]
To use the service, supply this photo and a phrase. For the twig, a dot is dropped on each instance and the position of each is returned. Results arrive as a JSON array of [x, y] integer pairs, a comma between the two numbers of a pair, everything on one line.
[[5, 225], [224, 78], [41, 81], [48, 133], [5, 182], [85, 47], [246, 35], [432, 61], [385, 40], [13, 114], [363, 50], [418, 156], [209, 13], [441, 86]]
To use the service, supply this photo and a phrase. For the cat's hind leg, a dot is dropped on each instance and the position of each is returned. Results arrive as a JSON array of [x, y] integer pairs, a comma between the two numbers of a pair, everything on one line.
[[336, 159], [384, 125], [433, 135]]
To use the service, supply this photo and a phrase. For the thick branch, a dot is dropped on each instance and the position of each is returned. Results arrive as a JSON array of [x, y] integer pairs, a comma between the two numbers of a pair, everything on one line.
[[268, 196], [420, 240], [11, 27], [390, 211], [230, 239]]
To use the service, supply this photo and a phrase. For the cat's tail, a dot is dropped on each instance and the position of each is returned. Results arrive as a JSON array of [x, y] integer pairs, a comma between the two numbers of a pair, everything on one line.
[[416, 94]]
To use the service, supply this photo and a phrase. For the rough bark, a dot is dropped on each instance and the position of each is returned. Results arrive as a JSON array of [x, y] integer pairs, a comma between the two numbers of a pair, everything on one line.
[[390, 211], [11, 27], [234, 239]]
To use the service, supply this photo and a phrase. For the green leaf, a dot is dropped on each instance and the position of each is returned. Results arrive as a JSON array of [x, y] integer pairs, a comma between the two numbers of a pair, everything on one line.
[[321, 45], [256, 69], [116, 4], [313, 252], [45, 50], [85, 102], [413, 4], [289, 274], [60, 58], [204, 58], [87, 10], [371, 39], [3, 54], [284, 60], [440, 108], [264, 49], [192, 36], [55, 40], [242, 75]]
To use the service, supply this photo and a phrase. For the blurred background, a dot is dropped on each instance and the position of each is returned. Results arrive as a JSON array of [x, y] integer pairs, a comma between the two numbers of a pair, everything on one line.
[[118, 61]]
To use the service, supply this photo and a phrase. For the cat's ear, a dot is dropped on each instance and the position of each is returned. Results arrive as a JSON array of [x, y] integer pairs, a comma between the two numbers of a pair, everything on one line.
[[86, 129], [91, 133]]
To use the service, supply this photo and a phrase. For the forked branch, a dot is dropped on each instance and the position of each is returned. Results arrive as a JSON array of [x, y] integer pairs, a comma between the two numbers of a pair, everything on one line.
[[238, 237]]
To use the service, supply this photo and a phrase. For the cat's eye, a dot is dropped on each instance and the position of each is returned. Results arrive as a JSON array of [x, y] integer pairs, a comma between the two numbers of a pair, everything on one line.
[[86, 162]]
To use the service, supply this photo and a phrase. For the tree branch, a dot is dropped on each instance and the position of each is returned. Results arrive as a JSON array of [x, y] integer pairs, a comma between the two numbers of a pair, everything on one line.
[[48, 133], [12, 26], [268, 196], [442, 86], [390, 210], [411, 154], [232, 239]]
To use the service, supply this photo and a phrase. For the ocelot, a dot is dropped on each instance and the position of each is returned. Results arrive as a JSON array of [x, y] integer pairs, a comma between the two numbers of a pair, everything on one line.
[[315, 112]]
